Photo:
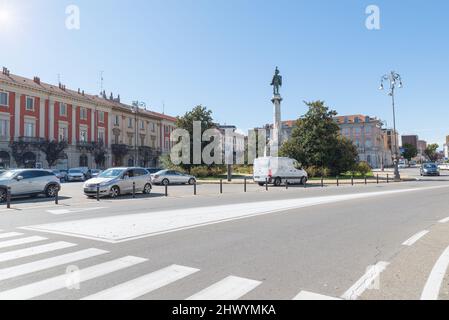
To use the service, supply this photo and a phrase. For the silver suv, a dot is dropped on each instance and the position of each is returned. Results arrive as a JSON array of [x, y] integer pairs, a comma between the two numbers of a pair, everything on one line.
[[28, 182], [116, 181]]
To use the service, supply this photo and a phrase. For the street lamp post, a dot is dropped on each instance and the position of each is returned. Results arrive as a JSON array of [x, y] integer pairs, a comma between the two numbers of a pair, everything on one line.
[[136, 106], [394, 80]]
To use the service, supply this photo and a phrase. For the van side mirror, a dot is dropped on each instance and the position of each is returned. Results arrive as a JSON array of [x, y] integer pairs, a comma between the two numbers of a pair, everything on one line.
[[19, 178]]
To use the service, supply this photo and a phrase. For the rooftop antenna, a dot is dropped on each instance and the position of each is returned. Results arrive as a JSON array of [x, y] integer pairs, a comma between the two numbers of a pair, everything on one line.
[[101, 81], [163, 107]]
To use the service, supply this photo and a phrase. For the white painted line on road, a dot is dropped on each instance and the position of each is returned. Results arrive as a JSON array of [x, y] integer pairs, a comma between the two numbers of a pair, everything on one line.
[[230, 288], [40, 288], [365, 282], [310, 296], [410, 242], [20, 270], [141, 286], [433, 285], [445, 220], [122, 228], [18, 242], [10, 235], [66, 211], [33, 251]]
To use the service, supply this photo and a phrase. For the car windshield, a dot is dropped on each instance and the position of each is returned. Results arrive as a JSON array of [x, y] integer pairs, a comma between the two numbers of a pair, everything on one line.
[[8, 174], [430, 166], [162, 172], [111, 173], [74, 171]]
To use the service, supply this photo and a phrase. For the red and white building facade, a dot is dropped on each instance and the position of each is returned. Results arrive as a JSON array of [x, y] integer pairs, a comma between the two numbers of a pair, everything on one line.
[[33, 111]]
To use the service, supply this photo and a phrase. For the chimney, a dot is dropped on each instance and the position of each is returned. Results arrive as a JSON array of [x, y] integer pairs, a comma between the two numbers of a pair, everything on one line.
[[79, 91], [118, 98], [82, 92], [5, 71], [37, 80], [111, 97]]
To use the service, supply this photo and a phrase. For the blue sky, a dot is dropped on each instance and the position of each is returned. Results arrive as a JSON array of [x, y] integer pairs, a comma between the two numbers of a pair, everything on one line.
[[222, 54]]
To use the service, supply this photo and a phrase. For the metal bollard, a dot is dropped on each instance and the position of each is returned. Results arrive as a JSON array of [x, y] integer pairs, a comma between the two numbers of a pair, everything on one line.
[[8, 197], [57, 197], [98, 192], [352, 180], [221, 186], [286, 184], [166, 190], [388, 178], [134, 189], [338, 182], [366, 181], [322, 182], [377, 179], [305, 183], [194, 188], [266, 184], [244, 184]]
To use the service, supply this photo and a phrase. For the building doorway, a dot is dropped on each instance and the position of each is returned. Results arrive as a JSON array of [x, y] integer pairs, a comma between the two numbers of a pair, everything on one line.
[[5, 160]]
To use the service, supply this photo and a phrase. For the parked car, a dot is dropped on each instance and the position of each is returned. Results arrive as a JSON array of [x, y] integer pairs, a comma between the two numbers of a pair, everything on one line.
[[444, 166], [402, 164], [62, 176], [154, 170], [166, 177], [276, 171], [75, 175], [29, 182], [95, 173], [118, 181], [429, 169]]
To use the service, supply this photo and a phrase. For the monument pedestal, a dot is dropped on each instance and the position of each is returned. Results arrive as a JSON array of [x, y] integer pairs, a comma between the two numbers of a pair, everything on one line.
[[276, 137]]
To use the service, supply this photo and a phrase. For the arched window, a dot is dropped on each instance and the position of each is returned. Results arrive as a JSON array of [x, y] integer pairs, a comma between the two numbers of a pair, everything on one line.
[[131, 162]]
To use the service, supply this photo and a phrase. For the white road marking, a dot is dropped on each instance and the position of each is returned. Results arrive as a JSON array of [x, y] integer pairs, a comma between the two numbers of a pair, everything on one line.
[[138, 287], [18, 242], [310, 296], [18, 254], [365, 282], [40, 288], [67, 211], [122, 228], [445, 220], [10, 235], [410, 242], [433, 285], [230, 288], [20, 270]]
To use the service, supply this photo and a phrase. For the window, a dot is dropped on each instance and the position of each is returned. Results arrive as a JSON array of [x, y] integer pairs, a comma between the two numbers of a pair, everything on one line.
[[153, 127], [142, 125], [358, 131], [83, 113], [368, 143], [139, 172], [117, 120], [83, 135], [130, 122], [4, 98], [62, 109], [62, 134], [30, 103], [101, 135], [4, 128], [368, 130], [101, 116], [29, 130]]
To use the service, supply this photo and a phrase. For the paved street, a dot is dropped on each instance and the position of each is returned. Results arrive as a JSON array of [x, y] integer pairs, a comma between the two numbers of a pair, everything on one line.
[[279, 244]]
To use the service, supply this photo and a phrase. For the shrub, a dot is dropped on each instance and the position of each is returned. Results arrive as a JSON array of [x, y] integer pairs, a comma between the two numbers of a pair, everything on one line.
[[199, 172], [363, 168]]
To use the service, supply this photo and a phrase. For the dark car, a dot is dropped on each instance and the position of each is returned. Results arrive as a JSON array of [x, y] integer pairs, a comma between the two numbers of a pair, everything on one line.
[[429, 169]]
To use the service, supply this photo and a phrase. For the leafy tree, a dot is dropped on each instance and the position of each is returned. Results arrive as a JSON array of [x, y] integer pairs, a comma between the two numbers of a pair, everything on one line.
[[18, 150], [199, 113], [316, 141], [409, 151], [99, 152], [431, 152], [52, 150]]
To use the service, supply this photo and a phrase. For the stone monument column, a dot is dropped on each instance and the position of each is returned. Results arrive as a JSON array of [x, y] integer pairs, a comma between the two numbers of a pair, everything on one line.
[[276, 133]]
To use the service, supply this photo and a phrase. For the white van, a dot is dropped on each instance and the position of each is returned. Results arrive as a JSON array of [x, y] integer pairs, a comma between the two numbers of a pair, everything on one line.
[[278, 170]]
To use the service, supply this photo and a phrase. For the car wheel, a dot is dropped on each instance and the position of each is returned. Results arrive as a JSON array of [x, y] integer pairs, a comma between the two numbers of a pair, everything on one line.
[[261, 184], [147, 189], [277, 182], [303, 180], [2, 195], [165, 182], [192, 181], [51, 191], [115, 192]]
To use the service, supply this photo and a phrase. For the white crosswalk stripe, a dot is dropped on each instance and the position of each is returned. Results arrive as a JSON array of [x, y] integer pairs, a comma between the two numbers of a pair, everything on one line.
[[10, 235], [230, 288], [33, 251], [139, 287], [18, 242], [310, 296], [12, 272], [43, 287]]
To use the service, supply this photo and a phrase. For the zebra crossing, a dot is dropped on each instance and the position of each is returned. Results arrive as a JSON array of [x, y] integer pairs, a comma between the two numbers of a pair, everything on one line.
[[17, 246]]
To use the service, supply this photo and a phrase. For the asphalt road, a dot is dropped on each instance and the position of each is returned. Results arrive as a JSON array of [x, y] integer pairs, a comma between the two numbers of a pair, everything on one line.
[[254, 245]]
